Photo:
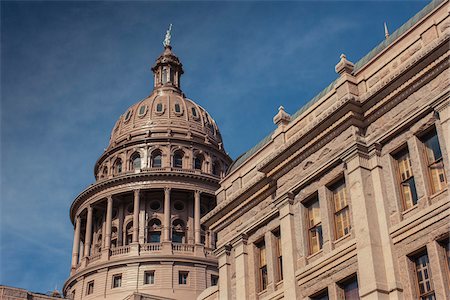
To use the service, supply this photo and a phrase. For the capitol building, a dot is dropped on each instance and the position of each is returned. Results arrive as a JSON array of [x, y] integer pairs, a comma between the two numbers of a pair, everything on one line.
[[348, 198]]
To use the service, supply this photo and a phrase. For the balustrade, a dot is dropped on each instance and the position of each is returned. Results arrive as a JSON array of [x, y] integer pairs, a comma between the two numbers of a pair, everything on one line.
[[120, 250], [183, 248], [149, 247], [94, 257]]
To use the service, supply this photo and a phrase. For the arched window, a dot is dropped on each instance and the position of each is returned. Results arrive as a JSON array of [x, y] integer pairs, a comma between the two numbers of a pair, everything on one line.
[[156, 159], [136, 161], [178, 231], [114, 237], [118, 166], [104, 172], [216, 168], [154, 231], [129, 233], [178, 159], [198, 162]]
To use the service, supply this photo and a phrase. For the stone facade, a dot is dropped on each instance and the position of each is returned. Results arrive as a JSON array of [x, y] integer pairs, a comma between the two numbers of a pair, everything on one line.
[[349, 197], [12, 293]]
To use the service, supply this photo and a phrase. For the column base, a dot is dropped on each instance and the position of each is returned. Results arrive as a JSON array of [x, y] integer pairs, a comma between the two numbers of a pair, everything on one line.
[[166, 247], [105, 254], [134, 249]]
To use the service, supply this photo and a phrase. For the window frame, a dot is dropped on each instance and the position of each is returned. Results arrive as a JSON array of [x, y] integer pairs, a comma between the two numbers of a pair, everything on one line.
[[262, 268], [332, 188], [114, 278], [414, 259], [397, 156], [307, 204], [424, 137], [152, 275], [90, 288], [183, 280], [279, 254]]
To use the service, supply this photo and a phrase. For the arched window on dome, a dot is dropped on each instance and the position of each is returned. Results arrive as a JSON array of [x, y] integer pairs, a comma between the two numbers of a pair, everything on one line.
[[154, 231], [156, 159], [114, 236], [118, 166], [135, 161], [178, 159], [104, 172], [198, 162], [178, 231], [129, 233], [164, 75], [216, 168]]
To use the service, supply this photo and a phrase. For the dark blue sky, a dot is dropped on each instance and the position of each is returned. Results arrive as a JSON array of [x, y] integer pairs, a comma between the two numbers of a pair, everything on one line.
[[70, 69]]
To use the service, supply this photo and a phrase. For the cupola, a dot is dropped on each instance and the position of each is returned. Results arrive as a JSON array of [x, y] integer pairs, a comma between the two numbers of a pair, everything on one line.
[[167, 69]]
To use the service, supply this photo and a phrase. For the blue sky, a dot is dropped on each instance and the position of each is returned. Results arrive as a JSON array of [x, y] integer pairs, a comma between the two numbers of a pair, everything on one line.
[[70, 69]]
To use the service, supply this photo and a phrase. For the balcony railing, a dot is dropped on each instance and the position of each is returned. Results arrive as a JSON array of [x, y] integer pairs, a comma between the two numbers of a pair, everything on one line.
[[182, 247], [94, 257], [120, 250], [150, 247]]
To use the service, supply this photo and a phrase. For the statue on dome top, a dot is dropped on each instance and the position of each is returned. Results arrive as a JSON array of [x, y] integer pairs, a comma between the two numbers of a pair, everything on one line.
[[166, 42]]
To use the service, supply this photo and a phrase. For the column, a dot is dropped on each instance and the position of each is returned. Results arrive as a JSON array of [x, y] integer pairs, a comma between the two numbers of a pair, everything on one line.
[[241, 262], [88, 236], [166, 228], [109, 207], [223, 255], [197, 228], [288, 245], [371, 263], [136, 217], [76, 242]]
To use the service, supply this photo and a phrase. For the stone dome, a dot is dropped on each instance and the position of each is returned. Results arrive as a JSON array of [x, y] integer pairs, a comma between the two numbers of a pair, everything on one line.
[[165, 112]]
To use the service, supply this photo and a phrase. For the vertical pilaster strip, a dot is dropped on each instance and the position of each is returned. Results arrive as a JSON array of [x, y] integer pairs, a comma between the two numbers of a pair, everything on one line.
[[241, 262], [136, 217], [382, 214], [223, 255], [371, 263], [88, 236], [288, 245], [109, 207], [166, 228], [76, 242], [197, 228]]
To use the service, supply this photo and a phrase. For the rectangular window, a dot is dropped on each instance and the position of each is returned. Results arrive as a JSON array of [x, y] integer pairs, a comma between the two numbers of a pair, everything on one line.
[[433, 156], [322, 295], [279, 253], [423, 277], [214, 280], [262, 266], [117, 281], [341, 209], [149, 277], [406, 179], [349, 288], [315, 238], [183, 277], [90, 288]]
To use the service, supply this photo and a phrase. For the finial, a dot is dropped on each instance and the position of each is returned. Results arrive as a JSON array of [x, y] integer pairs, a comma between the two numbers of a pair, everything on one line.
[[166, 42], [386, 31], [344, 66], [282, 117]]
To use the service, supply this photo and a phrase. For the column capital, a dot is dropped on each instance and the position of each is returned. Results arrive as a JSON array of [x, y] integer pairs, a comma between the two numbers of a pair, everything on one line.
[[240, 239], [223, 250], [197, 192], [136, 191], [285, 199], [356, 156], [167, 189]]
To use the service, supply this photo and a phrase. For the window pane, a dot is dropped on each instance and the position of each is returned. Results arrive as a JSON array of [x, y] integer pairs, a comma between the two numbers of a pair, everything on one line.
[[437, 175], [423, 273], [433, 148]]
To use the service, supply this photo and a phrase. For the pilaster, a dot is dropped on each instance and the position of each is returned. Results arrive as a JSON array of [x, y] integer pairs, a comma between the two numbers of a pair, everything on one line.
[[371, 263], [223, 255], [241, 261], [284, 205]]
